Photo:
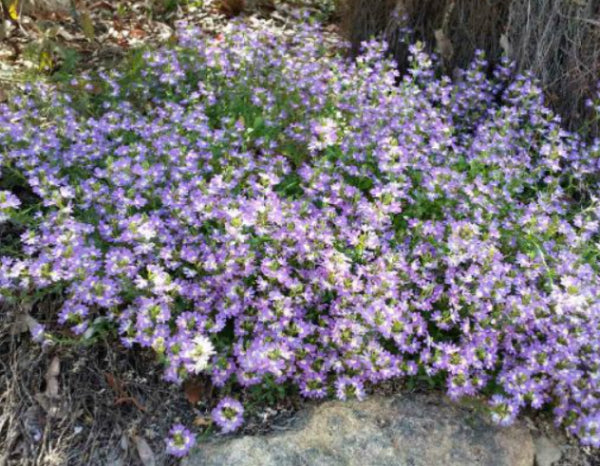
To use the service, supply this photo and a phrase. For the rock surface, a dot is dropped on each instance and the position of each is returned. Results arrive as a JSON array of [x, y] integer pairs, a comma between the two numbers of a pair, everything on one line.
[[415, 430], [546, 452]]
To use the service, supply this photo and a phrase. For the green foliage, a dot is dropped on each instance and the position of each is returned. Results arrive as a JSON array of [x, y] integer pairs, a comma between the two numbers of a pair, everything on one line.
[[269, 393]]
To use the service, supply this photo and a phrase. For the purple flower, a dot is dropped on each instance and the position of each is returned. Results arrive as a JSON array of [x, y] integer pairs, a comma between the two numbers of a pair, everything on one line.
[[180, 441], [228, 415], [38, 332], [349, 387], [8, 200]]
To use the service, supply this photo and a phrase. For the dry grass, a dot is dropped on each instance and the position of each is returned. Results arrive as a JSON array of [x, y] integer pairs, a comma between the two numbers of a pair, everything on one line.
[[466, 25], [362, 19], [559, 40]]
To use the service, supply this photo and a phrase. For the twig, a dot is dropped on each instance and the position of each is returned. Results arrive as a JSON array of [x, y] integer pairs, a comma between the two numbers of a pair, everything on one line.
[[130, 399], [578, 18]]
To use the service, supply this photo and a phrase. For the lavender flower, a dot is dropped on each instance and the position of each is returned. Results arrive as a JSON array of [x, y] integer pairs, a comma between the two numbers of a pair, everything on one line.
[[38, 332], [349, 387], [228, 415], [8, 200], [180, 441]]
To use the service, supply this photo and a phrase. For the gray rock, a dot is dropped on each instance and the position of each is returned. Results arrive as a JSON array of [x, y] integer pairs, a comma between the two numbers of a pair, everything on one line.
[[415, 430], [546, 452]]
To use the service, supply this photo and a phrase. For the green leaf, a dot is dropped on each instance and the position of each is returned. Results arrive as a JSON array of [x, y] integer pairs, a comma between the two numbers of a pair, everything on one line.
[[46, 62], [87, 25]]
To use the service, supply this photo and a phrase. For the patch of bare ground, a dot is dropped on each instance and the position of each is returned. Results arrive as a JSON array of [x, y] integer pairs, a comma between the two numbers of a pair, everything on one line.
[[69, 404]]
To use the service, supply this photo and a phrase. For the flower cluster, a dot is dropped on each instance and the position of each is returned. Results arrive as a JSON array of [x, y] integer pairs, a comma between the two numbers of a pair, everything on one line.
[[259, 207]]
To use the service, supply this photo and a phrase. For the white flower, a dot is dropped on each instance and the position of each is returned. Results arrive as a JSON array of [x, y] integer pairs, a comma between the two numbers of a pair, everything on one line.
[[325, 134], [66, 192], [199, 354], [146, 231]]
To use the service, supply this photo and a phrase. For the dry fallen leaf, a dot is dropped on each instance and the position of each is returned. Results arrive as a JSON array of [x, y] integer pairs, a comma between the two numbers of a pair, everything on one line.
[[20, 325], [444, 45], [23, 321], [101, 4], [137, 33], [13, 9], [505, 44], [130, 399], [64, 34], [52, 378], [193, 389], [113, 383], [201, 421], [144, 450]]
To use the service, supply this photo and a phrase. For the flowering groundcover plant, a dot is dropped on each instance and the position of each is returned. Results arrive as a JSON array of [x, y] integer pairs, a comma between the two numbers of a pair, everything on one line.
[[258, 209]]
